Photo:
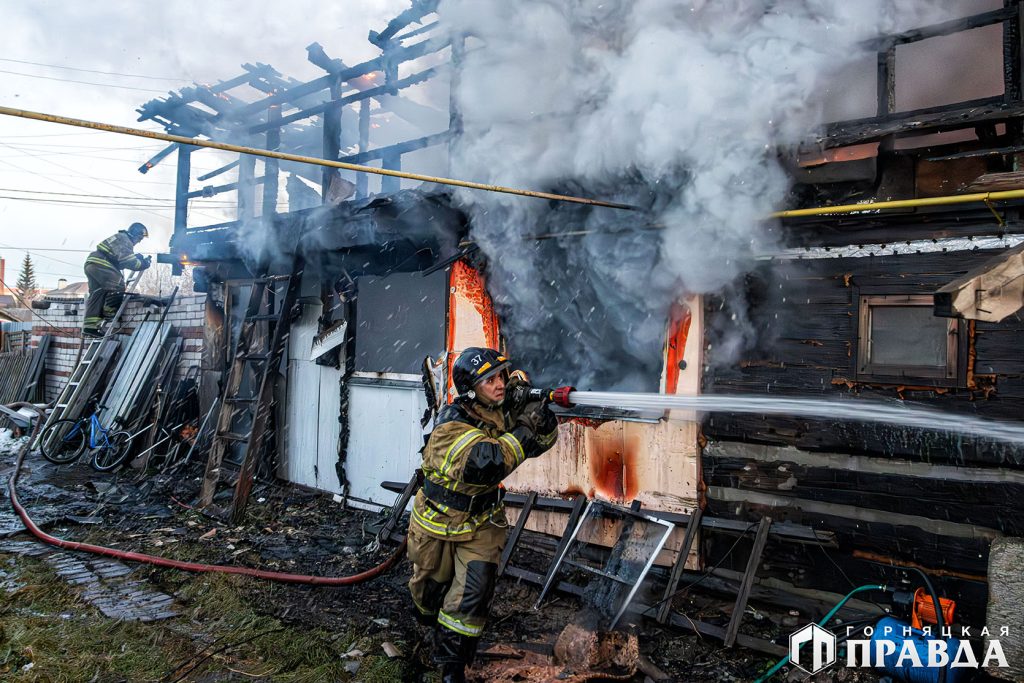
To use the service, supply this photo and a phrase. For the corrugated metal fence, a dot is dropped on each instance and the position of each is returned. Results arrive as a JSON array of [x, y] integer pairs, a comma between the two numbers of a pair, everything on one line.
[[15, 336], [21, 371]]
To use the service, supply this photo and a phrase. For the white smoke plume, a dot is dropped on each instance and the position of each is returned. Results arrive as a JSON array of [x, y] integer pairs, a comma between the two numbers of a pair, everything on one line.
[[679, 107]]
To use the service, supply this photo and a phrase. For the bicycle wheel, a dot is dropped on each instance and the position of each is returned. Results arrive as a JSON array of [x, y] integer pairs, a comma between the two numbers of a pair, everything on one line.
[[64, 441], [112, 455]]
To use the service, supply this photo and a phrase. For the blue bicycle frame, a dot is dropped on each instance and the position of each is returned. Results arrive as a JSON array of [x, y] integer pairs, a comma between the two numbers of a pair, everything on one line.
[[95, 428]]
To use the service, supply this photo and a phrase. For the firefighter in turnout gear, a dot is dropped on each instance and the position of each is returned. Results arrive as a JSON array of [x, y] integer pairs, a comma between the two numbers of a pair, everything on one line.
[[458, 527], [103, 271]]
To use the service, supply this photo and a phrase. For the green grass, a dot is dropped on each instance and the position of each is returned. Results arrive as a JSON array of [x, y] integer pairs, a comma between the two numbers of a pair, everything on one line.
[[48, 634], [46, 625]]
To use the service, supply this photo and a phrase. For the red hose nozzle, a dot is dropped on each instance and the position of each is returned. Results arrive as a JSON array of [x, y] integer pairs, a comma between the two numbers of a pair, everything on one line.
[[560, 396]]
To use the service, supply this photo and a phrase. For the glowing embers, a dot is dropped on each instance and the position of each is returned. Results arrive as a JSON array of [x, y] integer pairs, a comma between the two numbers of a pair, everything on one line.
[[613, 581]]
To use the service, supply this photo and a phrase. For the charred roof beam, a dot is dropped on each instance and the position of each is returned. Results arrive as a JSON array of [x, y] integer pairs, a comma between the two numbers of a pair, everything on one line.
[[253, 72], [177, 113], [403, 54], [217, 171], [270, 82], [419, 9], [398, 149], [920, 121], [223, 103], [422, 29], [378, 91], [889, 123], [211, 190], [158, 157], [944, 28]]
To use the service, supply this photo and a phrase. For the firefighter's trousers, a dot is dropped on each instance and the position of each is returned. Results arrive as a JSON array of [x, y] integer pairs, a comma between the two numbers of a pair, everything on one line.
[[454, 579], [106, 290]]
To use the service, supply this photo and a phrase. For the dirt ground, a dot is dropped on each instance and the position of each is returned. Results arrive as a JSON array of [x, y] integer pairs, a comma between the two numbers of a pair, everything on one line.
[[229, 628]]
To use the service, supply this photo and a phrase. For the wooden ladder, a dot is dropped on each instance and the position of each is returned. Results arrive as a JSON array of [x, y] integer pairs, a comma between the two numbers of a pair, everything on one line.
[[92, 355], [261, 352]]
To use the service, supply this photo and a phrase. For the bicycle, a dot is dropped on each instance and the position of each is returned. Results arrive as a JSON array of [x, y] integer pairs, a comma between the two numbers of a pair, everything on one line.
[[66, 440]]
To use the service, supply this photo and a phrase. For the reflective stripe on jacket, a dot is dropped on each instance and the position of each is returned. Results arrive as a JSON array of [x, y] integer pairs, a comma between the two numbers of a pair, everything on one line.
[[117, 252], [471, 452]]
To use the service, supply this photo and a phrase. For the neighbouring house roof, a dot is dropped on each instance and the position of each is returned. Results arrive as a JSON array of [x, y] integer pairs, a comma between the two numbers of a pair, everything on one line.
[[76, 291], [15, 315]]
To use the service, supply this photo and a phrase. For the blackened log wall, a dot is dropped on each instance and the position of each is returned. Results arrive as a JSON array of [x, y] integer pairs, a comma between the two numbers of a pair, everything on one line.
[[935, 499]]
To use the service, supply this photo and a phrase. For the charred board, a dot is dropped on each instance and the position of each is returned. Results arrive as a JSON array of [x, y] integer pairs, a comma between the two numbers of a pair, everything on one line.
[[995, 505], [806, 317], [890, 494]]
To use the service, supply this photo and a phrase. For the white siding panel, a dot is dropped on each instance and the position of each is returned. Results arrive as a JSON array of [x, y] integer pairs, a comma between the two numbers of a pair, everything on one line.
[[385, 440], [328, 430], [306, 421], [300, 460]]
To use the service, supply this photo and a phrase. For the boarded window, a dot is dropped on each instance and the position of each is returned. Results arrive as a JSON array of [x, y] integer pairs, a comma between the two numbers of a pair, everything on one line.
[[900, 338], [400, 319]]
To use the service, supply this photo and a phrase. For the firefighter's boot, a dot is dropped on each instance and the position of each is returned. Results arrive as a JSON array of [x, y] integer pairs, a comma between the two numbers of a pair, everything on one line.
[[453, 673], [453, 652]]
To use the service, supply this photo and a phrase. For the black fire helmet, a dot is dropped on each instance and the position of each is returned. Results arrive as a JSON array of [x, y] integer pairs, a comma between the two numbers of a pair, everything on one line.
[[474, 365], [138, 231]]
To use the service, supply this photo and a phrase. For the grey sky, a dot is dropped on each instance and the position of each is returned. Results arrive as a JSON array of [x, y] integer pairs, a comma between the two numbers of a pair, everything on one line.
[[172, 43]]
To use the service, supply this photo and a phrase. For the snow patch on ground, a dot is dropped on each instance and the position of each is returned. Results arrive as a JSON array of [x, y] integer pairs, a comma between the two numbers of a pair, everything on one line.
[[9, 442]]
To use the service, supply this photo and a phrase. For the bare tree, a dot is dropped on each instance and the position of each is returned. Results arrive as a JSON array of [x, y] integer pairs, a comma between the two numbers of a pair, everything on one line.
[[158, 281]]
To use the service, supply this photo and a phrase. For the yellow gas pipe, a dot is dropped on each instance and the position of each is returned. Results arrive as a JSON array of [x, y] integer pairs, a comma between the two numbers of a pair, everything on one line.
[[196, 142], [983, 197]]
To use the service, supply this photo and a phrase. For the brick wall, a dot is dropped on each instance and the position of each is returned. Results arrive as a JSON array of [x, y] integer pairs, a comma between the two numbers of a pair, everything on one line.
[[64, 323]]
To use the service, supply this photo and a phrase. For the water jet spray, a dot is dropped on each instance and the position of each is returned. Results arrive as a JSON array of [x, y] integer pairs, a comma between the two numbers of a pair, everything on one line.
[[878, 412]]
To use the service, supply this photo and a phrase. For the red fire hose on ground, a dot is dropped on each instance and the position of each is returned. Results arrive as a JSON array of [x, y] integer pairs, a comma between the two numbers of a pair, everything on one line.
[[176, 564]]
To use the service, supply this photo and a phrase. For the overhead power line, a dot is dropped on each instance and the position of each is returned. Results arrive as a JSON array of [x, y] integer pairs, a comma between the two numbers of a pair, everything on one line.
[[77, 202], [82, 202], [77, 194], [72, 80], [47, 146], [55, 135], [79, 175], [86, 176], [66, 168], [93, 71], [32, 250], [27, 152], [227, 147], [128, 158]]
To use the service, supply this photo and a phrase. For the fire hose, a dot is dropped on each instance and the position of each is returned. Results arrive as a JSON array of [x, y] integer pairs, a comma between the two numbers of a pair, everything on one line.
[[158, 561]]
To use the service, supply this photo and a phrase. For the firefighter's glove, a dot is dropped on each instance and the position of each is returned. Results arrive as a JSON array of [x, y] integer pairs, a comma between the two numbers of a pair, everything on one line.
[[538, 418], [147, 261], [516, 395]]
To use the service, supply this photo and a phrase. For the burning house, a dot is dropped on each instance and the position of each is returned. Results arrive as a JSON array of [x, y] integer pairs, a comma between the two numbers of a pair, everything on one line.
[[917, 302], [337, 301]]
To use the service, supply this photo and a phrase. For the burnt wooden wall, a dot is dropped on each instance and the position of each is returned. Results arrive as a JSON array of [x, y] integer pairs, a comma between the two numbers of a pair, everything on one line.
[[932, 498]]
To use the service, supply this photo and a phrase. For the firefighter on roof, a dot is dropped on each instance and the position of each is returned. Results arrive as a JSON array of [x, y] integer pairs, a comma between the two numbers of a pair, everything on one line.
[[103, 271], [458, 527]]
